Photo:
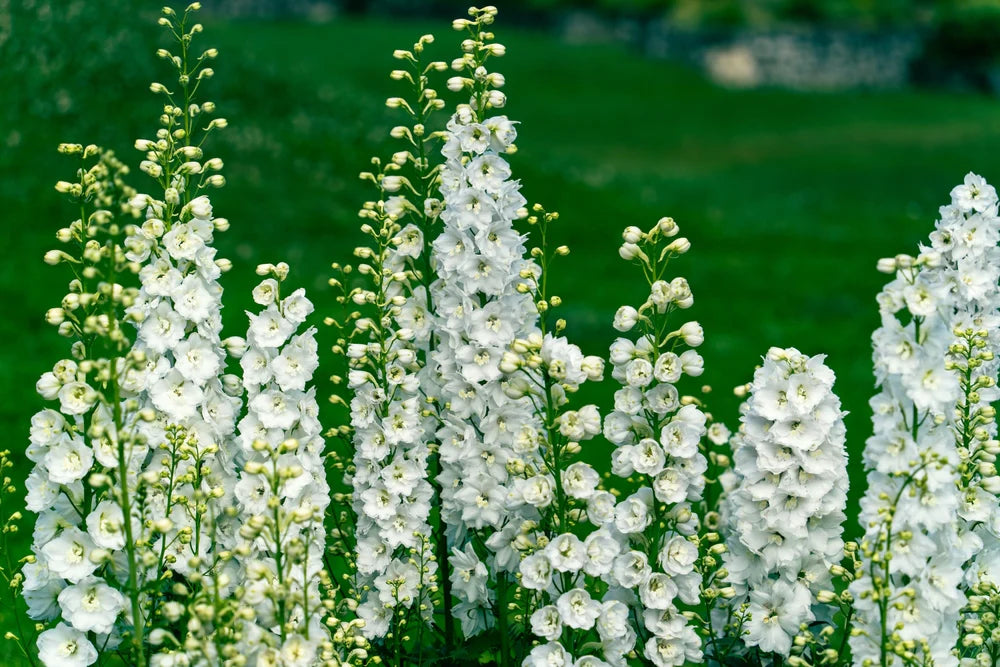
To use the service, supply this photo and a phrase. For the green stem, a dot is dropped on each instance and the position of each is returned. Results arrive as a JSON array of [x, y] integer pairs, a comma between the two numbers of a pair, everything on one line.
[[138, 630], [502, 622]]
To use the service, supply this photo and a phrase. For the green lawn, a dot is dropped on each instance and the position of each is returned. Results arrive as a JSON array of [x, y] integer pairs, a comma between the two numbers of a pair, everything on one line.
[[789, 199]]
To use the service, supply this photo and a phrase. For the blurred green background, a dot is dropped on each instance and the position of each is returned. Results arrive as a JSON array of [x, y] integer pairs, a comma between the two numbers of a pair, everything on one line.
[[788, 198]]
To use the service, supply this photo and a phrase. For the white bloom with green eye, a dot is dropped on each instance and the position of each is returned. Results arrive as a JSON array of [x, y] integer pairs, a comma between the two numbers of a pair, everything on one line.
[[673, 651], [297, 307], [551, 654], [777, 609], [69, 461], [47, 426], [65, 647], [678, 556], [633, 514], [600, 549], [177, 397], [91, 605], [297, 362], [547, 623], [161, 277], [275, 409], [601, 508], [658, 591], [69, 555], [269, 329], [193, 299], [42, 491], [76, 398], [469, 575], [577, 609], [975, 194], [162, 328], [266, 292], [197, 359], [536, 572], [580, 480]]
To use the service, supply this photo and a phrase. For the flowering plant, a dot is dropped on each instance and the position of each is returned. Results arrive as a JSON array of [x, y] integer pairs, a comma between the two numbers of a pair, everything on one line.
[[191, 509]]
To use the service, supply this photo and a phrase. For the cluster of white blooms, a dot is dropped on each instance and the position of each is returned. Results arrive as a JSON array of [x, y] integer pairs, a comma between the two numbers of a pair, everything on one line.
[[788, 507], [549, 490], [183, 380], [657, 435], [78, 573], [143, 479], [184, 512], [387, 344], [282, 490], [914, 549], [479, 262], [392, 493], [973, 358]]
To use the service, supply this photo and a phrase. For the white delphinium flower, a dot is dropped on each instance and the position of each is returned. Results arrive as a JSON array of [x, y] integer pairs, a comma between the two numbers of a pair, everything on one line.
[[387, 342], [657, 434], [914, 549], [87, 452], [479, 261], [186, 512], [66, 647], [787, 510], [282, 491], [392, 424], [185, 383], [90, 605], [973, 357]]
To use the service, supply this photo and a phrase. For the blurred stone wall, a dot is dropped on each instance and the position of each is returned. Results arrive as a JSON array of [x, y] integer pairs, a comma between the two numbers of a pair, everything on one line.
[[801, 58]]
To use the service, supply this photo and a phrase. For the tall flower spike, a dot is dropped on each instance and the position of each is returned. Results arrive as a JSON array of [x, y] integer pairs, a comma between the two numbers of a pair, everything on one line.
[[186, 505], [282, 490], [973, 358], [550, 489], [657, 434], [479, 312], [789, 505], [392, 494], [387, 344], [82, 485], [911, 594]]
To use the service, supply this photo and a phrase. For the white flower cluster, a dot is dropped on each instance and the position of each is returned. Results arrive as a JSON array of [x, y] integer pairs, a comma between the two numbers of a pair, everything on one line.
[[392, 493], [136, 482], [183, 379], [787, 510], [77, 573], [551, 492], [973, 358], [184, 512], [912, 541], [389, 379], [282, 490], [479, 312], [657, 437]]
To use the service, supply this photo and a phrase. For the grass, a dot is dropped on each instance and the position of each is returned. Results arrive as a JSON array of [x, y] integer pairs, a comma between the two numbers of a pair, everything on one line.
[[788, 198]]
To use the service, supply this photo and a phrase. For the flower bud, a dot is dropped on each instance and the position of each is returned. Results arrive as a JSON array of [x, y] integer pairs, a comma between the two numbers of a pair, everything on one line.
[[679, 246], [632, 235]]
